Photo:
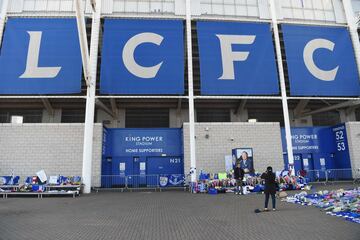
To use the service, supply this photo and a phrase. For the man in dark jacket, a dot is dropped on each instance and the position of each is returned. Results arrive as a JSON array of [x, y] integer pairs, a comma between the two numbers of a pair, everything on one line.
[[270, 187], [239, 175]]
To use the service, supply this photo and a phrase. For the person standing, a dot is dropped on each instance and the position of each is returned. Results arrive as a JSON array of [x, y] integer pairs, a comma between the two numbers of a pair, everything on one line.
[[270, 187], [239, 175]]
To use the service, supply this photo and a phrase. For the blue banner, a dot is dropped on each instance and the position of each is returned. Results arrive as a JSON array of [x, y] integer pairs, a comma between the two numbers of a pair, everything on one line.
[[142, 57], [40, 56], [310, 139], [320, 61], [140, 142], [237, 59]]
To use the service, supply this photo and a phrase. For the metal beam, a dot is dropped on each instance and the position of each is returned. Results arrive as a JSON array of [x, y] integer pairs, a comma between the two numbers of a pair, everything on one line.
[[300, 107], [48, 106], [241, 106], [102, 106], [192, 143], [91, 64], [80, 20], [285, 107], [3, 12], [114, 108], [332, 107], [351, 109], [353, 30], [178, 109]]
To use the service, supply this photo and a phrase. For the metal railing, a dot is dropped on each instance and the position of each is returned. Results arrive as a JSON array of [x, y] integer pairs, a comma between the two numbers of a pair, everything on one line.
[[132, 182], [333, 175]]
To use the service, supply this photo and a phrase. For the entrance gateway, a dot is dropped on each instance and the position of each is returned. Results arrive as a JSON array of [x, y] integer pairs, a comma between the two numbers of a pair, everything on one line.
[[317, 149], [140, 157]]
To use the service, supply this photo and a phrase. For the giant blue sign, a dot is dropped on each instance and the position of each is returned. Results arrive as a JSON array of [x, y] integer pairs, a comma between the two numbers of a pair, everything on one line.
[[236, 58], [320, 61], [142, 57], [40, 56]]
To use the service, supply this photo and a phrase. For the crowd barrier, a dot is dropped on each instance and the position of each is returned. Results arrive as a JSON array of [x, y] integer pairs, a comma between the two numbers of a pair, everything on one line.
[[132, 182], [333, 175]]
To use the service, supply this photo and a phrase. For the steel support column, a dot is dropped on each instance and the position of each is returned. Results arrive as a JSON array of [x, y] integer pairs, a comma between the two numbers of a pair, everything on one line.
[[3, 13], [191, 93], [91, 86], [283, 86]]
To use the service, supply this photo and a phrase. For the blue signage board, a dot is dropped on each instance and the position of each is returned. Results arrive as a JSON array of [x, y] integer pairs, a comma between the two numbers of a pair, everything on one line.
[[140, 142], [237, 58], [341, 146], [321, 61], [322, 147], [310, 139], [142, 57], [40, 56]]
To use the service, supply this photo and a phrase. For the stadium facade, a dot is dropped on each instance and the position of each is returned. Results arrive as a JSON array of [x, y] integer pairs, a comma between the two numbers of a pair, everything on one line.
[[226, 73]]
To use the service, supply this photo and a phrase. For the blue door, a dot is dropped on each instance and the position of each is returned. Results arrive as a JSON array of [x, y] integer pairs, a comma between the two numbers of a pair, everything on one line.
[[298, 162], [121, 167], [138, 178], [308, 166], [106, 168]]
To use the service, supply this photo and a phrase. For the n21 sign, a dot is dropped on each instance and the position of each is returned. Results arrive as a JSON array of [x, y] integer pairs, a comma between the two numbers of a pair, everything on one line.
[[42, 56]]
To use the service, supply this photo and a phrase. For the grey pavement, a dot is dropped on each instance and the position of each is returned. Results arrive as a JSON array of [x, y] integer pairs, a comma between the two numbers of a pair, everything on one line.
[[165, 215]]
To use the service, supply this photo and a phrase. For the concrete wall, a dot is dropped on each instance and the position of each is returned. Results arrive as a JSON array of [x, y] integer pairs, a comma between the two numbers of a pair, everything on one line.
[[353, 135], [56, 148], [264, 138]]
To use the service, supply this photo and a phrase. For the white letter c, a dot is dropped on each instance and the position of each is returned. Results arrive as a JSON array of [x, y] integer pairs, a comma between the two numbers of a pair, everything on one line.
[[128, 55], [308, 55]]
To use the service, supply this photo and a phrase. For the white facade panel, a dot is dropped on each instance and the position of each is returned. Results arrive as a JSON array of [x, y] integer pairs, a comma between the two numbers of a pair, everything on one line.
[[67, 6], [243, 8], [41, 5], [143, 6], [329, 11], [107, 6], [339, 11], [313, 10], [53, 5], [131, 7], [180, 7], [15, 6], [118, 6], [264, 12], [356, 6], [229, 10]]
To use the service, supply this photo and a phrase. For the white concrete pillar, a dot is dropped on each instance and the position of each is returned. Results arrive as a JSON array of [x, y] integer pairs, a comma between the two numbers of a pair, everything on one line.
[[282, 85], [90, 70], [3, 12], [352, 24], [191, 93]]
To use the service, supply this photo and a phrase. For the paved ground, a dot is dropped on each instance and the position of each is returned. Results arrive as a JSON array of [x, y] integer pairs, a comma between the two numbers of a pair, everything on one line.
[[165, 215]]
